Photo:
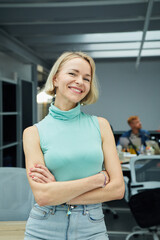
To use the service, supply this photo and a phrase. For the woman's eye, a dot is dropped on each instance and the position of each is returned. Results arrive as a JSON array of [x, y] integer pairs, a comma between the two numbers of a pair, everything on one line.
[[86, 79], [73, 74]]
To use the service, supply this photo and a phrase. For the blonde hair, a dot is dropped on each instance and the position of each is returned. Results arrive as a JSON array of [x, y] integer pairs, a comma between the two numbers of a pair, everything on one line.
[[132, 118], [93, 94]]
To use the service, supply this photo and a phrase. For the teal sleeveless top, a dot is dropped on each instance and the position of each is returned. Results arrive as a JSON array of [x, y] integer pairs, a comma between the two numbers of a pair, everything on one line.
[[71, 143]]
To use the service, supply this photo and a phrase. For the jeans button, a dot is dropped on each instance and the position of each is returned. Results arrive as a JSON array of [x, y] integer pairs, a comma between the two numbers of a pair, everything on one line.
[[51, 211]]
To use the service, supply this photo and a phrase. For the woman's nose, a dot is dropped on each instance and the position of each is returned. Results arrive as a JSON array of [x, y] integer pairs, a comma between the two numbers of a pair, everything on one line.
[[79, 80]]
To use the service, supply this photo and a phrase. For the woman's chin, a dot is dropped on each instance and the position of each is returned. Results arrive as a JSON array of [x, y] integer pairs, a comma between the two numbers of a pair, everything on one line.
[[75, 100]]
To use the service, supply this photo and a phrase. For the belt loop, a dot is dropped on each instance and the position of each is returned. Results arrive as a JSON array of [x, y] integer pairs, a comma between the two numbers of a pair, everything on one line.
[[53, 210], [84, 210]]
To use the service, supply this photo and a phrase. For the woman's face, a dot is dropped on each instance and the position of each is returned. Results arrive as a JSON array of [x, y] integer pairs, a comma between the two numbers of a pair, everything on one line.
[[73, 81]]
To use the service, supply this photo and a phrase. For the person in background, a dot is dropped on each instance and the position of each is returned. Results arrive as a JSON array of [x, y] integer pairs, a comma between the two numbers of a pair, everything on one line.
[[136, 131], [64, 156]]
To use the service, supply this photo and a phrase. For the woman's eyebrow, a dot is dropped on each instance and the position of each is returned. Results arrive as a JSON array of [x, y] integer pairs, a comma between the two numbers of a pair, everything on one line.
[[78, 72]]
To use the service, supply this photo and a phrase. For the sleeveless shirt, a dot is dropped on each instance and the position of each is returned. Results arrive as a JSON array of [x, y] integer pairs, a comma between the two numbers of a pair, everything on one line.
[[71, 143]]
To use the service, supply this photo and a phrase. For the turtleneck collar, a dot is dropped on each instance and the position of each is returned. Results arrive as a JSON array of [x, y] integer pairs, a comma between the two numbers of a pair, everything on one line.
[[64, 115]]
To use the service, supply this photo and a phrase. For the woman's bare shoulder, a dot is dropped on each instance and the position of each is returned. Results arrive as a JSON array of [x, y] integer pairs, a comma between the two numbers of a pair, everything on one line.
[[103, 122], [31, 133], [105, 128]]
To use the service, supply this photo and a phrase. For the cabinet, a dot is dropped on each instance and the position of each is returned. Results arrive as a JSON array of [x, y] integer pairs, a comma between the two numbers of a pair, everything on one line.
[[15, 115]]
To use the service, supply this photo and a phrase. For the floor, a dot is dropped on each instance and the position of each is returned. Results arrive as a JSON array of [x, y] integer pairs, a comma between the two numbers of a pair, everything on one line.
[[120, 225]]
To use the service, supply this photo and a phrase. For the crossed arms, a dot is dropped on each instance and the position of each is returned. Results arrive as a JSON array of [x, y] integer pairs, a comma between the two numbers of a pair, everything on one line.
[[47, 191]]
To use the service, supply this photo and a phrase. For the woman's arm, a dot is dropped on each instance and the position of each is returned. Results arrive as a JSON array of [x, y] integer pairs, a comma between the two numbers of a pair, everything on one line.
[[53, 193], [115, 188]]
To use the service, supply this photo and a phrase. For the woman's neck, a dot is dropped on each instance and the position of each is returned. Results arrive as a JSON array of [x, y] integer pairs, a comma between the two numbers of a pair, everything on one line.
[[64, 105]]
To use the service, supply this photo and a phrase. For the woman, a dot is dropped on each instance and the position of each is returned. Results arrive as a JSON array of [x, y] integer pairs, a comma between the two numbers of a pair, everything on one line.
[[64, 156]]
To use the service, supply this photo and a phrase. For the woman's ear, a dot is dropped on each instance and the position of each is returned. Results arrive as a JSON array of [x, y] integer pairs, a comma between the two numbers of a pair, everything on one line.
[[55, 81]]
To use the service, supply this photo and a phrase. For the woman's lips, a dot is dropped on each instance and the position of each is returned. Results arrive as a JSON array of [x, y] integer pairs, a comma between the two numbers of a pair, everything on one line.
[[76, 90]]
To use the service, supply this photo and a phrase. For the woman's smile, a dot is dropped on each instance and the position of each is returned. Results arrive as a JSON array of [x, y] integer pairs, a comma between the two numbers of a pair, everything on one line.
[[75, 90]]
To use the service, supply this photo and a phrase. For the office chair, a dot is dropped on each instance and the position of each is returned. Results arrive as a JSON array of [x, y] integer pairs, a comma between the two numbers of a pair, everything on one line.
[[107, 209], [16, 198], [144, 200]]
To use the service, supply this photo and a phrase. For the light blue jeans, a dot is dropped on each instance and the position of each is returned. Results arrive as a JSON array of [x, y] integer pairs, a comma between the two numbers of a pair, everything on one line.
[[85, 222]]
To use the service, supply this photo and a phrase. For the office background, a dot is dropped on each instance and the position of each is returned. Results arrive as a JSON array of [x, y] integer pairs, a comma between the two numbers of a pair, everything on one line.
[[122, 36], [126, 91]]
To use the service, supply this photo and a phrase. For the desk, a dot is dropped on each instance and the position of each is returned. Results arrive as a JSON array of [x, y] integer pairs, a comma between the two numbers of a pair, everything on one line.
[[12, 230], [125, 163]]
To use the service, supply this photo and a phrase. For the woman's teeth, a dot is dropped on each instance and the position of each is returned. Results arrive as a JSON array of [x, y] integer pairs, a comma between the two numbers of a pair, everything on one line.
[[76, 90]]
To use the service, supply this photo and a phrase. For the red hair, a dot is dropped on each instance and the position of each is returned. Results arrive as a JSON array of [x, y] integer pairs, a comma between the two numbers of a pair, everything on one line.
[[132, 118]]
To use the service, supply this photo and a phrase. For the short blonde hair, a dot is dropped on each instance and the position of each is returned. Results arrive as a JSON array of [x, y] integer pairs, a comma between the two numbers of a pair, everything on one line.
[[132, 118], [93, 94]]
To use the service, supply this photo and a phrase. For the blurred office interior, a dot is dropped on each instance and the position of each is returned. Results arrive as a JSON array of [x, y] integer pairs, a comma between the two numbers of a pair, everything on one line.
[[123, 37]]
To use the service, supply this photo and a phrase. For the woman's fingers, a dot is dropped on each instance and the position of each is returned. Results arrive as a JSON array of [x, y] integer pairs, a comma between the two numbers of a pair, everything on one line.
[[39, 176], [41, 166], [41, 169], [36, 179]]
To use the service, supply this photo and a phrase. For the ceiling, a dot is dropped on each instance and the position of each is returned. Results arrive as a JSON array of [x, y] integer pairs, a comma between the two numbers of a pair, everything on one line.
[[39, 31]]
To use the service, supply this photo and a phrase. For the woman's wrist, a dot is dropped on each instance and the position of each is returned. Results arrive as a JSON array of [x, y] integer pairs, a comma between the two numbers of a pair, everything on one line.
[[105, 179]]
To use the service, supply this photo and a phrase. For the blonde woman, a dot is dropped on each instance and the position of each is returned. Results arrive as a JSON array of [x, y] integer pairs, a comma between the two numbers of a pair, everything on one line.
[[64, 156]]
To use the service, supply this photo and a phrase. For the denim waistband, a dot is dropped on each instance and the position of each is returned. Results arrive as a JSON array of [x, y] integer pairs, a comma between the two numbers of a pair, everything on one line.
[[70, 208], [78, 207]]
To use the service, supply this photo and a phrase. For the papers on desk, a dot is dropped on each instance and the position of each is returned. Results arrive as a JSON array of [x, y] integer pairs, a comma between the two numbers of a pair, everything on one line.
[[154, 145], [129, 155], [126, 159], [125, 167]]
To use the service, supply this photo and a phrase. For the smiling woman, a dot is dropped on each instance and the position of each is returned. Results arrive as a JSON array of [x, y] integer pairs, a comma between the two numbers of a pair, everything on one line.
[[71, 86], [64, 155], [88, 76]]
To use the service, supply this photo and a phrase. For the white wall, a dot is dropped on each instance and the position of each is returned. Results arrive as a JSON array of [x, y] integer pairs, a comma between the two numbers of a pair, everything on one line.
[[125, 91]]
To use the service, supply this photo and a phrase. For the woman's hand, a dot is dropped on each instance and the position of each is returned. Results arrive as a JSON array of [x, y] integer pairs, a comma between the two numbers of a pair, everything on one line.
[[41, 174]]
